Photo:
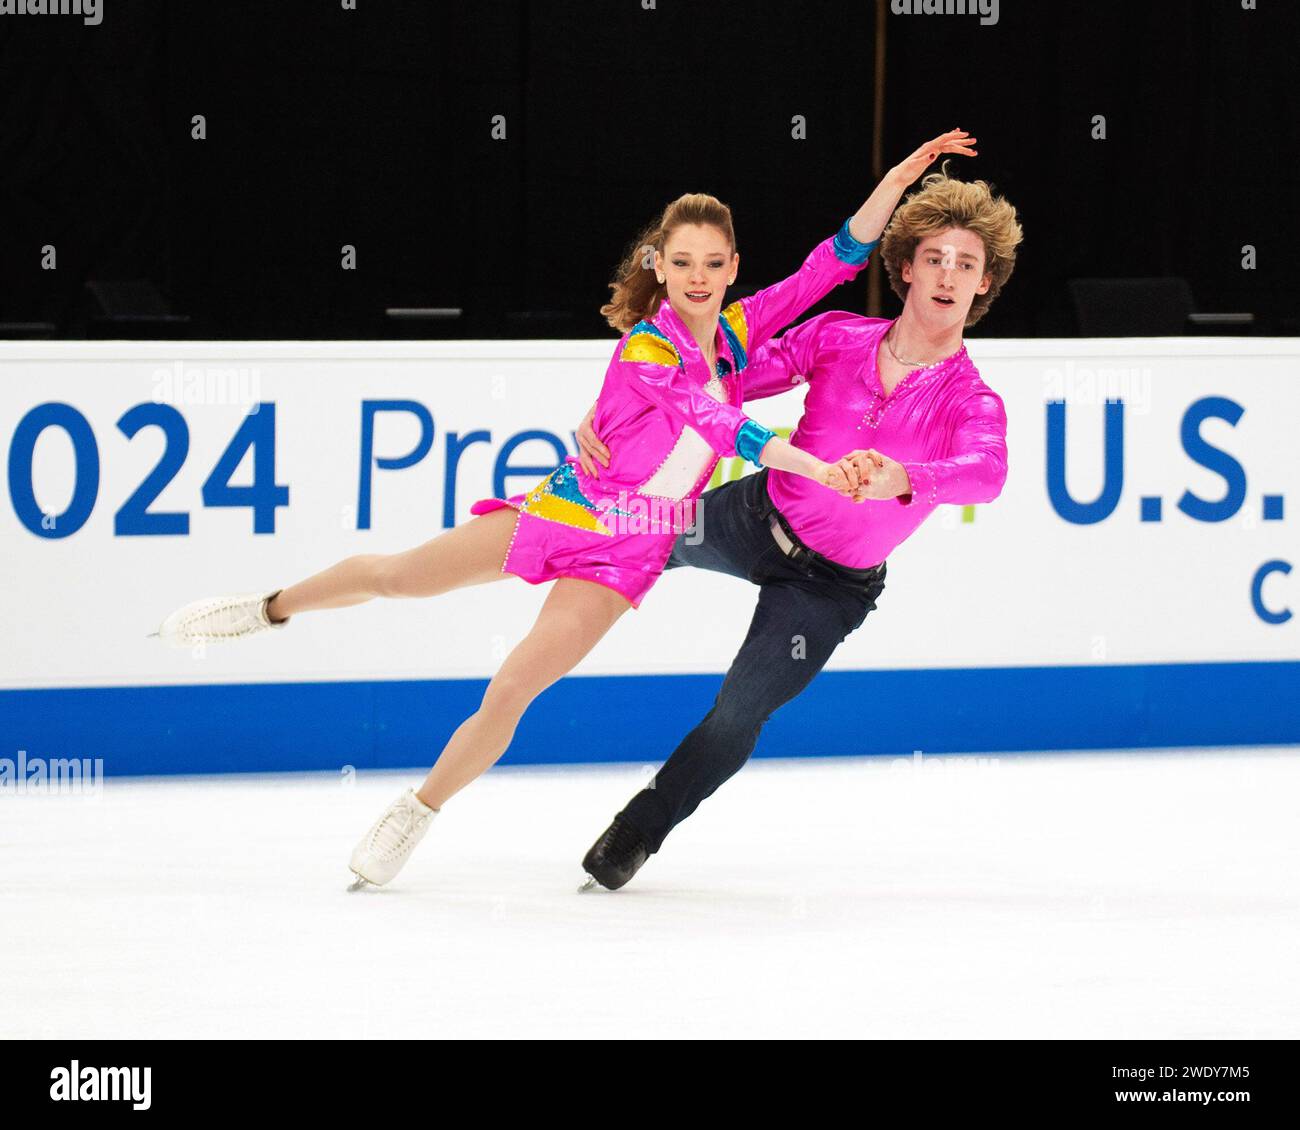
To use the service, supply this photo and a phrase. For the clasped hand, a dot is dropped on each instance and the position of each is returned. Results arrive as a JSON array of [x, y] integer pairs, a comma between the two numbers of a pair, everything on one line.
[[864, 474]]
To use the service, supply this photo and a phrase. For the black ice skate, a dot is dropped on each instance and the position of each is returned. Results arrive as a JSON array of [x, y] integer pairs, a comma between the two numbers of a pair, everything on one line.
[[615, 857]]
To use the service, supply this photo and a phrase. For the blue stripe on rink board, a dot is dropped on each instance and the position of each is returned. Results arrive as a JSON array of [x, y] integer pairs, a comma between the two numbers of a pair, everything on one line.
[[277, 727]]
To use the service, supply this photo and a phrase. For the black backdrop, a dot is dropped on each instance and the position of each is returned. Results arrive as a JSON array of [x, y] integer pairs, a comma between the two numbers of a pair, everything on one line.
[[372, 128]]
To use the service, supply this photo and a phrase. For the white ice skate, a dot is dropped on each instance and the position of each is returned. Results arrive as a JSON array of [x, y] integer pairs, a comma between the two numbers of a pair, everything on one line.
[[219, 618], [389, 843]]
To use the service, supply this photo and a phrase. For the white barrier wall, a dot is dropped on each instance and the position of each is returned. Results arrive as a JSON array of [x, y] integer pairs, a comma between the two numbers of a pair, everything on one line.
[[117, 508]]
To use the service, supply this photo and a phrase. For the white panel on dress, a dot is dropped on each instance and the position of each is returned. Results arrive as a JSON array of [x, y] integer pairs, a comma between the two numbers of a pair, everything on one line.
[[690, 457]]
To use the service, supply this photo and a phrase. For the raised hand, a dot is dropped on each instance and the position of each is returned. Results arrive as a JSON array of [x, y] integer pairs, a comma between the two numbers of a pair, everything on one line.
[[956, 141], [869, 221]]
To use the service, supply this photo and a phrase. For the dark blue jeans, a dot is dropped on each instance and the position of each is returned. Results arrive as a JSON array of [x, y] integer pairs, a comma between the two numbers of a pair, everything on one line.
[[803, 613]]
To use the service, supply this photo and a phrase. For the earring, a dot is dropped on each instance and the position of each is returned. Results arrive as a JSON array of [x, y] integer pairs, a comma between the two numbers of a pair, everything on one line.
[[661, 279]]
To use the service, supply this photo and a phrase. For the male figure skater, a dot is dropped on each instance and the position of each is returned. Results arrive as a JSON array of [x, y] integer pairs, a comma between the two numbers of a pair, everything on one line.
[[924, 428]]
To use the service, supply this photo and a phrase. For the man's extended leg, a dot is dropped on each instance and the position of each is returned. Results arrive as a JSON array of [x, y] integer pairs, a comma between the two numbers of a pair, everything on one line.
[[802, 616], [795, 629]]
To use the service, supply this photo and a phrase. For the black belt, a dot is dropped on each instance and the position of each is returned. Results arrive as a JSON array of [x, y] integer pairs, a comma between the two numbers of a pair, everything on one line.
[[801, 554]]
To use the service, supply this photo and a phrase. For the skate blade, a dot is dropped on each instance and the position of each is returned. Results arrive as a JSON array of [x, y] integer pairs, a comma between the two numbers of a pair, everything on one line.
[[588, 885], [360, 884]]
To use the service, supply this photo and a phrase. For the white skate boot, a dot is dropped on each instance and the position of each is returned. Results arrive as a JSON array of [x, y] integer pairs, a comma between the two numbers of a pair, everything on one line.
[[219, 618], [389, 843]]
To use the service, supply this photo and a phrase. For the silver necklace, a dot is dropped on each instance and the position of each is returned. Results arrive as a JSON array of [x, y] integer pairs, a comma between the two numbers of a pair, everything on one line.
[[914, 364]]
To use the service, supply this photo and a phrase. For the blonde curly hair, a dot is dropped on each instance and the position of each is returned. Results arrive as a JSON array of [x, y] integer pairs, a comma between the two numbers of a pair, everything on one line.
[[944, 202]]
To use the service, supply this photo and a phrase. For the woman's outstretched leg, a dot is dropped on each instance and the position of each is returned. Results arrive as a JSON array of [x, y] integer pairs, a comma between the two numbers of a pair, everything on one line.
[[575, 617], [470, 554]]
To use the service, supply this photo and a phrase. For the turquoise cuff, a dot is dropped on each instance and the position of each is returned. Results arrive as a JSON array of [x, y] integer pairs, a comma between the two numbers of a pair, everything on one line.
[[750, 440], [849, 250]]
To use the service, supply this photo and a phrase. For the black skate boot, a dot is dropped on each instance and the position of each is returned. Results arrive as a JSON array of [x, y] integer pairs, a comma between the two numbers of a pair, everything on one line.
[[615, 857]]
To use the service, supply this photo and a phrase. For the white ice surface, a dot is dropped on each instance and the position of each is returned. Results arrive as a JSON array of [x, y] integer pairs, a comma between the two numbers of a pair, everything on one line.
[[1096, 896]]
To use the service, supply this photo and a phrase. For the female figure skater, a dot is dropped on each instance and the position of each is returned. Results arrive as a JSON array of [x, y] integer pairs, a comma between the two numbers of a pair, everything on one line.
[[670, 398]]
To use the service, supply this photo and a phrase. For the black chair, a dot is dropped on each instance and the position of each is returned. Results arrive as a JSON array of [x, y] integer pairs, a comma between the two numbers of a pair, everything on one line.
[[131, 308], [27, 331], [1161, 307]]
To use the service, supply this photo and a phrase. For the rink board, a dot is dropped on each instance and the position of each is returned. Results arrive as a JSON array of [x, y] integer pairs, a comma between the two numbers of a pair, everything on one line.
[[1131, 587], [389, 724]]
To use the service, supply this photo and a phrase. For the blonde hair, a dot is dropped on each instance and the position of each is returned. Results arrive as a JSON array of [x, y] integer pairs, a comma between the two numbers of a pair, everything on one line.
[[944, 202], [636, 291]]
